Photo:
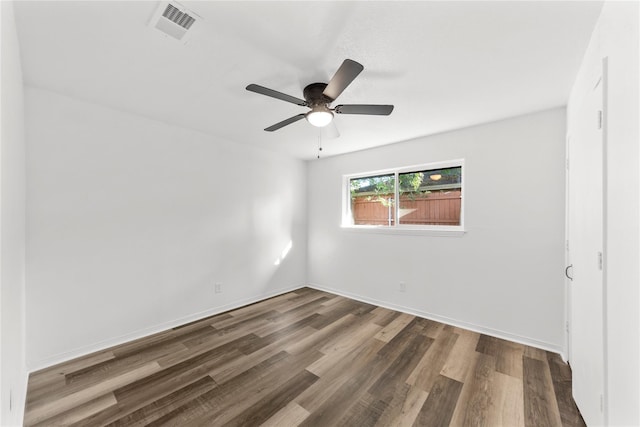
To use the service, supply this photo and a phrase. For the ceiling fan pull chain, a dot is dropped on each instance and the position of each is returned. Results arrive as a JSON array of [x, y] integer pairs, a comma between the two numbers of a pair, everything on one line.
[[319, 142]]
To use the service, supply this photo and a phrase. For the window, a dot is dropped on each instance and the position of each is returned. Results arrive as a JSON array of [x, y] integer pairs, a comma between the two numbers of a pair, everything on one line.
[[372, 200], [425, 197]]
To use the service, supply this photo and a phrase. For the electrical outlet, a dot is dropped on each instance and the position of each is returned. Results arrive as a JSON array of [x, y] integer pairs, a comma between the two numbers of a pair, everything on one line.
[[403, 287], [218, 288]]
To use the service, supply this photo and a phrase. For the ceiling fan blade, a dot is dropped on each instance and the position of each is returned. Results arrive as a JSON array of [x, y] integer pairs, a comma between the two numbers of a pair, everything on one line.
[[374, 110], [275, 94], [285, 122], [348, 71]]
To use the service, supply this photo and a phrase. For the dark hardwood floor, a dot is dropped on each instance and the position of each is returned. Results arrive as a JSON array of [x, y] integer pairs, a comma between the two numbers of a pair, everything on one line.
[[308, 358]]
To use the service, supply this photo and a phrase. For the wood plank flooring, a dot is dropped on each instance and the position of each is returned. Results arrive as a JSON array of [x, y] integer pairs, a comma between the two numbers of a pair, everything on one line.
[[308, 358]]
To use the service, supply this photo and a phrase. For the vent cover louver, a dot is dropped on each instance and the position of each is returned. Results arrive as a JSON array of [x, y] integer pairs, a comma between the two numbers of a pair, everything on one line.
[[174, 20], [174, 15]]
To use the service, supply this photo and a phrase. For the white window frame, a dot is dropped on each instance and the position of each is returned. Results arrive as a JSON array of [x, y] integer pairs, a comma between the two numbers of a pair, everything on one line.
[[396, 228]]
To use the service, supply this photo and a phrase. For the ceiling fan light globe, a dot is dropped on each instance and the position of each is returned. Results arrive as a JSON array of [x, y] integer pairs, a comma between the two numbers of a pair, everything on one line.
[[319, 117]]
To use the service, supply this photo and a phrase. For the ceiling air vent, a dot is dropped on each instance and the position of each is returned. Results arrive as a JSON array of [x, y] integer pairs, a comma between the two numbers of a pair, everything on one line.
[[174, 20]]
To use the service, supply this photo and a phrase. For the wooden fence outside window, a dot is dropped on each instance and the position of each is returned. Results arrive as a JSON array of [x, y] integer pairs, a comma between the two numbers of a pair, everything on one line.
[[435, 208]]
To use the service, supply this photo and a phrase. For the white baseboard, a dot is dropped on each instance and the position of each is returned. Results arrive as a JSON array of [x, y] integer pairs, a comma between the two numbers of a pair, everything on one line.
[[449, 321], [141, 333]]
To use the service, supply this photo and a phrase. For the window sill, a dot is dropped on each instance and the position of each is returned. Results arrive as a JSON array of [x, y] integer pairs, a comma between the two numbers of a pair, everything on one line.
[[407, 231]]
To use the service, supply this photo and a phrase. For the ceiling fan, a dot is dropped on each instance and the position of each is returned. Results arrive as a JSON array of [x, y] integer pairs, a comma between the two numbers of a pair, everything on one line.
[[318, 97]]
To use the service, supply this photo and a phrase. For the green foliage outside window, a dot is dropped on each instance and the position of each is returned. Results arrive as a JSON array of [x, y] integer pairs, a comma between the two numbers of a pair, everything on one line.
[[412, 183]]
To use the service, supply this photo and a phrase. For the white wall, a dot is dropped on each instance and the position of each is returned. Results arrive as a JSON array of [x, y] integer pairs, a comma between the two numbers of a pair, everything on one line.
[[13, 373], [616, 38], [504, 276], [130, 222]]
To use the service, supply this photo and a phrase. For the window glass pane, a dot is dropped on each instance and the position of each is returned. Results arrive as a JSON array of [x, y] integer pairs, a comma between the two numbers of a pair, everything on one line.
[[431, 197], [372, 200]]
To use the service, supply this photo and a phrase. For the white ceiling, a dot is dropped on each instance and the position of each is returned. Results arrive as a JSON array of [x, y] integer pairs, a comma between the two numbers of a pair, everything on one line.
[[444, 65]]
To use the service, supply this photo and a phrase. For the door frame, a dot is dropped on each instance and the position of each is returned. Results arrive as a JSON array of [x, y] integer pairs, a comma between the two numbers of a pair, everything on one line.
[[604, 80]]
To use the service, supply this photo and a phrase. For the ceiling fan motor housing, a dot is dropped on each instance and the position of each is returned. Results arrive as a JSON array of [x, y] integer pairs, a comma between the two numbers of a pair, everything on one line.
[[314, 96]]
